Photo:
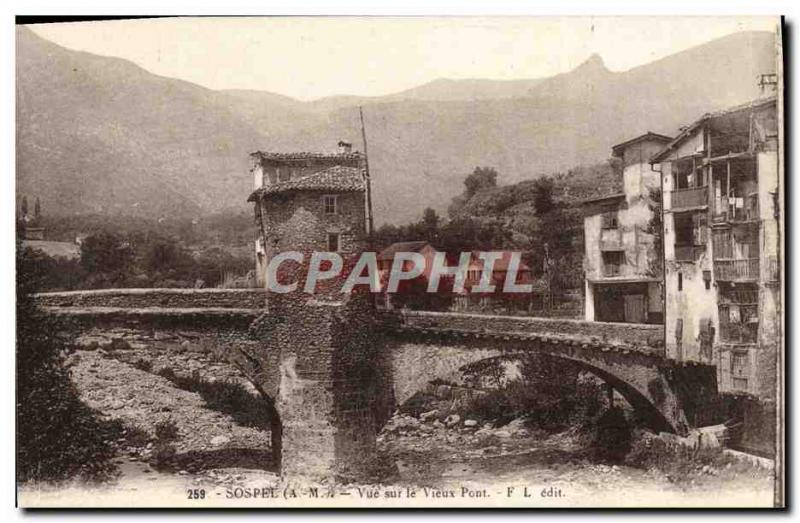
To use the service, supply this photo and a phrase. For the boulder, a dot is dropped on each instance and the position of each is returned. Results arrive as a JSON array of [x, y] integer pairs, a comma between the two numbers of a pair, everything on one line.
[[470, 423], [427, 416], [219, 440], [452, 419], [515, 425]]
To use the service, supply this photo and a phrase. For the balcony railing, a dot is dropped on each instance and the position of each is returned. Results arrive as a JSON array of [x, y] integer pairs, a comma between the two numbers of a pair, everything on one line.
[[738, 323], [688, 253], [740, 295], [688, 198], [736, 270], [726, 210]]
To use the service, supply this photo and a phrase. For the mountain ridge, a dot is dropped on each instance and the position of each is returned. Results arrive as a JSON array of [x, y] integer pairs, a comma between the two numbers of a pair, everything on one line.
[[101, 134]]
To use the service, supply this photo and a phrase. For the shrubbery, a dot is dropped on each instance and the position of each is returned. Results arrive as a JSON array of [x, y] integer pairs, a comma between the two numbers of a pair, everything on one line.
[[111, 260], [166, 430], [681, 463], [552, 394], [58, 436]]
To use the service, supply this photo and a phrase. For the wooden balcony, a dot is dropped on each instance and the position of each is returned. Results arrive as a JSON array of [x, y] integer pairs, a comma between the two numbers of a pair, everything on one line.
[[689, 198], [736, 270], [725, 211], [738, 323]]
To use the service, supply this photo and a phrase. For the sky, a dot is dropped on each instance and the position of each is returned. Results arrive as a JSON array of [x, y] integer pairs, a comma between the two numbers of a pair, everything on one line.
[[313, 57]]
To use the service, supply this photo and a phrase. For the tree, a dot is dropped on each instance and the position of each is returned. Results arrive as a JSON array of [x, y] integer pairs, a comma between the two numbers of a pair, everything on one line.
[[166, 256], [37, 209], [544, 195], [24, 206], [107, 256], [481, 178], [430, 219]]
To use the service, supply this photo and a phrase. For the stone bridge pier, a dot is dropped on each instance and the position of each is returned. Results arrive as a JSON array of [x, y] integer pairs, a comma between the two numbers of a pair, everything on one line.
[[322, 363]]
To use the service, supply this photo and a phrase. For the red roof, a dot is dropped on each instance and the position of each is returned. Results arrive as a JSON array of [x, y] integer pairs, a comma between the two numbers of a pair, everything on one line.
[[502, 263]]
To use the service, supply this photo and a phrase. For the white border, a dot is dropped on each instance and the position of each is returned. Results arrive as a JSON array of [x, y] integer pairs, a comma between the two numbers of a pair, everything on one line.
[[341, 7]]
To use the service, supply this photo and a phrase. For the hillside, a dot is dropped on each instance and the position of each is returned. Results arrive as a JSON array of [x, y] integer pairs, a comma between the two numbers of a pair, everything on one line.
[[99, 134]]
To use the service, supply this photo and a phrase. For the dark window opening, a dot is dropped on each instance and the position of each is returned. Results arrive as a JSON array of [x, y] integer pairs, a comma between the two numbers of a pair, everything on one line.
[[691, 233], [333, 242], [740, 370], [612, 262], [689, 174], [610, 219], [680, 281]]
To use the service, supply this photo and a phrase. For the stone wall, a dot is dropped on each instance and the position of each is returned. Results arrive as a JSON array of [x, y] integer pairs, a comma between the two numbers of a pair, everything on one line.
[[164, 298], [649, 338], [298, 222]]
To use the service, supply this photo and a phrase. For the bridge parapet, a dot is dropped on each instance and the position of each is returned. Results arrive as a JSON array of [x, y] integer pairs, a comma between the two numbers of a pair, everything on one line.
[[629, 337], [163, 298]]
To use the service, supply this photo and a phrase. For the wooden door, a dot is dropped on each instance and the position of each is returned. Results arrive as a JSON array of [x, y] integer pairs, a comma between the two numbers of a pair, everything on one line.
[[635, 308]]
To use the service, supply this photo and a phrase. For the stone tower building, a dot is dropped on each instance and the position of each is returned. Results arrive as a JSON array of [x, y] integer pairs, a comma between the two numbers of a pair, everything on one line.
[[308, 202], [331, 393]]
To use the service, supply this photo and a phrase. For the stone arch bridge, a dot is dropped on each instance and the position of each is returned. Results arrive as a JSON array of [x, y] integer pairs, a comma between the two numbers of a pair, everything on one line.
[[334, 371]]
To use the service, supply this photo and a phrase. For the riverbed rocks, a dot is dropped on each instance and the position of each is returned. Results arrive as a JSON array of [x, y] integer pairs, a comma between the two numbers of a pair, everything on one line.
[[141, 400]]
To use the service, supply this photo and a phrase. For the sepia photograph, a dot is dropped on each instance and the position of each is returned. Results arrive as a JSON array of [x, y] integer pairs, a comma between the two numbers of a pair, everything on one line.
[[399, 262]]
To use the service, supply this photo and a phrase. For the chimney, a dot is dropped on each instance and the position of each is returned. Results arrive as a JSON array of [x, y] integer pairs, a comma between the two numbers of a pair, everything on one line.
[[345, 147]]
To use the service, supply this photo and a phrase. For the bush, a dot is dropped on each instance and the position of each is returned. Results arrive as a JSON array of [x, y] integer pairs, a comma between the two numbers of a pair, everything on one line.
[[162, 454], [143, 364], [58, 436], [551, 393], [612, 435], [166, 430], [135, 436], [166, 372]]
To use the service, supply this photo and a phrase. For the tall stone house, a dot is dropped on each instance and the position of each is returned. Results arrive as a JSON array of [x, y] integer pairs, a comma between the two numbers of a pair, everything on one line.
[[622, 261], [722, 245], [307, 201]]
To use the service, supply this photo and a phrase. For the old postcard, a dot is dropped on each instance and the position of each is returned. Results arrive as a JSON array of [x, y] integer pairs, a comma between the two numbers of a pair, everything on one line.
[[400, 262]]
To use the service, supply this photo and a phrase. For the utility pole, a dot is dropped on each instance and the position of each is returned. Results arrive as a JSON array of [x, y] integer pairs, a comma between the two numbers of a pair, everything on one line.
[[370, 222]]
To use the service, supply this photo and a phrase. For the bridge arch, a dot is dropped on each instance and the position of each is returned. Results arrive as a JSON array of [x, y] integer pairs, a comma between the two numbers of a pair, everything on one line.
[[417, 363]]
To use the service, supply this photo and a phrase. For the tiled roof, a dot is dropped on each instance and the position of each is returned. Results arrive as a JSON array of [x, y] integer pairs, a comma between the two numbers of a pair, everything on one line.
[[501, 264], [335, 179], [616, 150], [755, 104], [609, 197], [307, 156], [389, 252]]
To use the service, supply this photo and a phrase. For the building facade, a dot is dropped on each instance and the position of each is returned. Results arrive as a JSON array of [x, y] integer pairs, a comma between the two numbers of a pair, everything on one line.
[[623, 253], [722, 247], [308, 202]]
